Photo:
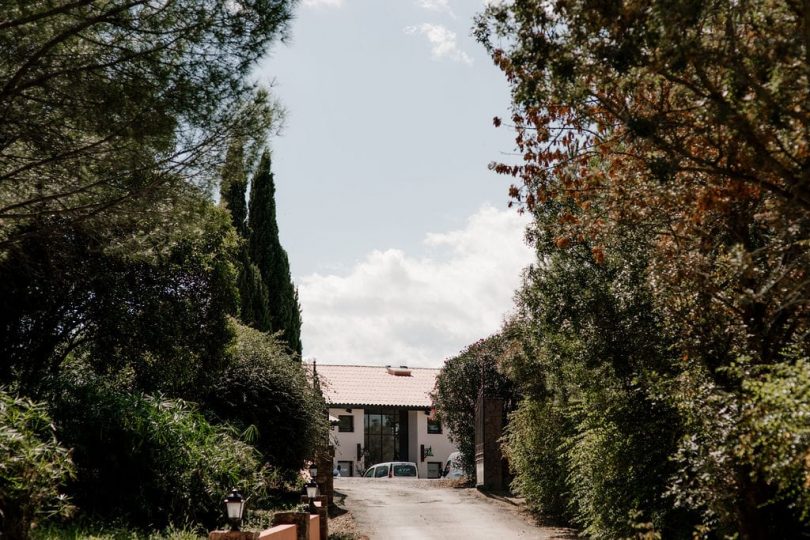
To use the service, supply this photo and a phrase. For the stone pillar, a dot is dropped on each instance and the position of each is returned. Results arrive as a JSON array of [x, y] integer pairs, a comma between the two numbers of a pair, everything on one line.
[[323, 512], [489, 462], [326, 482], [299, 519], [233, 535]]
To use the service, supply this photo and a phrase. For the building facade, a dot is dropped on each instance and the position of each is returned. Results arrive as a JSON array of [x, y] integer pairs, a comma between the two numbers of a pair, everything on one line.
[[383, 414]]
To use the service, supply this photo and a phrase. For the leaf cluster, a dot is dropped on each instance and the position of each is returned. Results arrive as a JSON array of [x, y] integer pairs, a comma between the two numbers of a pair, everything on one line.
[[33, 466], [111, 108], [148, 459]]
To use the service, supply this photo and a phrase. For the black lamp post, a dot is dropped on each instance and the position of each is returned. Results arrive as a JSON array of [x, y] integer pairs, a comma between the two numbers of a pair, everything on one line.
[[234, 505], [312, 492], [313, 471]]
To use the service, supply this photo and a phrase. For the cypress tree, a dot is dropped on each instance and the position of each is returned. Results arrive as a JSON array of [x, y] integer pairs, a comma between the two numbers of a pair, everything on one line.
[[270, 257], [254, 309], [253, 301], [234, 185]]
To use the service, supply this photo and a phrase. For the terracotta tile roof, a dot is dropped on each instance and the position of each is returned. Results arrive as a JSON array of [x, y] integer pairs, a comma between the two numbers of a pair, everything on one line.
[[376, 385]]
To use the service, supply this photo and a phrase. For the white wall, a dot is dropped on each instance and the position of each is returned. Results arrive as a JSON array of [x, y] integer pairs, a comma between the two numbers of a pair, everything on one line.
[[346, 443], [439, 444], [413, 436]]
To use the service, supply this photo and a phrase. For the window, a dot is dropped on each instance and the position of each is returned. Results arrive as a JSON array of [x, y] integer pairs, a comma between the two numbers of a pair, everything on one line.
[[404, 470], [346, 423], [381, 437], [434, 427], [434, 469], [381, 471], [345, 468], [369, 473]]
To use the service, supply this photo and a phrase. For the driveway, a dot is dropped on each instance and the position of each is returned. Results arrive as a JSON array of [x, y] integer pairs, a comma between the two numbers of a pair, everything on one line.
[[428, 509]]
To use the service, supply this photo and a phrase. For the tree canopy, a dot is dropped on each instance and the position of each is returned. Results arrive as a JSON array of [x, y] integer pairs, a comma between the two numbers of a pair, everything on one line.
[[120, 277], [666, 141], [113, 108]]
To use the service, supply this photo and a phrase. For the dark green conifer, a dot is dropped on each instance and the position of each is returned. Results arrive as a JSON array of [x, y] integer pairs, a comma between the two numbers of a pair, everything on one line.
[[254, 309], [234, 186], [271, 258]]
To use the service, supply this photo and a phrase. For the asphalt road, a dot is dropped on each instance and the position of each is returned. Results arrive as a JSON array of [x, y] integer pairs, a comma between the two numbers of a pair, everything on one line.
[[426, 509]]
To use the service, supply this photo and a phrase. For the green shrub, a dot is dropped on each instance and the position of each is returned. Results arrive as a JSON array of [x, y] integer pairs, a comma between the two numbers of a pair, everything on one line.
[[775, 432], [534, 446], [265, 390], [619, 467], [147, 460], [457, 390], [33, 466]]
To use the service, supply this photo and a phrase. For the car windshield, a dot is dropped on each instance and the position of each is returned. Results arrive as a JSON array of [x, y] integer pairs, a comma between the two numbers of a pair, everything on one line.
[[404, 470], [369, 473], [381, 471]]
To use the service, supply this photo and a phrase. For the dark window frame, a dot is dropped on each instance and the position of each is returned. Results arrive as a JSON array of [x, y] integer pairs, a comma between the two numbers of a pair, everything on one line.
[[434, 427], [381, 440], [441, 469], [341, 426]]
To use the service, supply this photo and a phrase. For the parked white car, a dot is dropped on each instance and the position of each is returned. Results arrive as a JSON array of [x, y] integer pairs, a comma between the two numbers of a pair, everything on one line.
[[452, 467], [393, 469]]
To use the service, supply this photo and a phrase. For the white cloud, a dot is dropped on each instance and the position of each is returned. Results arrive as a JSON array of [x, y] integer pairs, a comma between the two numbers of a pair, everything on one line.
[[392, 308], [323, 3], [442, 40], [440, 6]]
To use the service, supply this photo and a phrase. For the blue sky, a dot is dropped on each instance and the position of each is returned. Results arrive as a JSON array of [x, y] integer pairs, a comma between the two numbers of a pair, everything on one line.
[[385, 149]]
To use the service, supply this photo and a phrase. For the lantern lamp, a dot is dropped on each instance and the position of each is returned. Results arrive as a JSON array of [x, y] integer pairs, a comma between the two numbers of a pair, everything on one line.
[[234, 505], [312, 492]]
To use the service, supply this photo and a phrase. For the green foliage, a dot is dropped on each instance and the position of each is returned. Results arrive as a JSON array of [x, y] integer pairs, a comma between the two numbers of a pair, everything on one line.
[[534, 444], [754, 442], [33, 467], [264, 390], [114, 109], [270, 257], [146, 459], [118, 276], [164, 316], [106, 532], [679, 127], [775, 433], [254, 307], [592, 441], [233, 187], [458, 385]]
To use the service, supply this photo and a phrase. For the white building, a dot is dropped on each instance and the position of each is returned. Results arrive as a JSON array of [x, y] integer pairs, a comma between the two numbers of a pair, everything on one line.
[[383, 414]]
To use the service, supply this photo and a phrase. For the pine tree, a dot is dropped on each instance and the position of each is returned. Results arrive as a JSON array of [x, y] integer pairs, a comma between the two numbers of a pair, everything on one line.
[[271, 258]]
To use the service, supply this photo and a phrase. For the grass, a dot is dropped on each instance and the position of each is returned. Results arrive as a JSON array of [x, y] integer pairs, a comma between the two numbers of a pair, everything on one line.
[[255, 520], [102, 532]]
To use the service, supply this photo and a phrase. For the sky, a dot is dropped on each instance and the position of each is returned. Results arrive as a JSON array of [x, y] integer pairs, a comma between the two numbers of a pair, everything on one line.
[[399, 237]]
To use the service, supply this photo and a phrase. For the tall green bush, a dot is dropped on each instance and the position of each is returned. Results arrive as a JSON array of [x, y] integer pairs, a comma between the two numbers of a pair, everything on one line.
[[592, 443], [162, 315], [458, 385], [265, 390], [33, 466], [534, 444], [146, 459]]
